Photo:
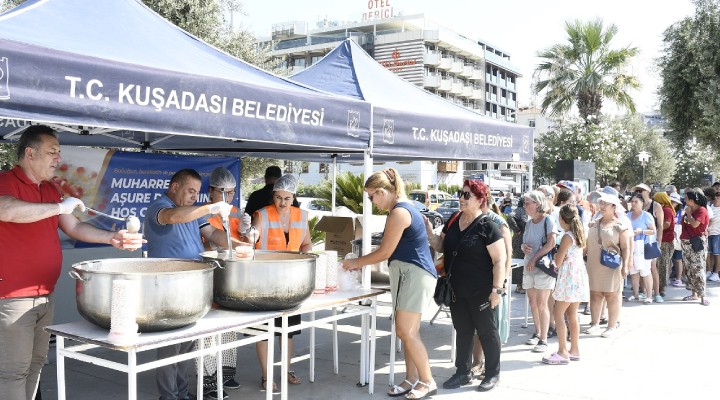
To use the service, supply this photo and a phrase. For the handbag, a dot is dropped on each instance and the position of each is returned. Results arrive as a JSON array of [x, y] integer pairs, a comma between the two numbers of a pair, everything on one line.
[[652, 250], [546, 263], [444, 294], [696, 243], [609, 257]]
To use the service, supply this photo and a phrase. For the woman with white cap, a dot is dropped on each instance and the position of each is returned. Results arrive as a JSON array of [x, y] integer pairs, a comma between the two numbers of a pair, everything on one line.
[[607, 283], [280, 226]]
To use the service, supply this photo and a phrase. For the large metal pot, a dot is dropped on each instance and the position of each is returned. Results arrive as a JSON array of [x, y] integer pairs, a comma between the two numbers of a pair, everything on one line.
[[172, 292], [273, 280]]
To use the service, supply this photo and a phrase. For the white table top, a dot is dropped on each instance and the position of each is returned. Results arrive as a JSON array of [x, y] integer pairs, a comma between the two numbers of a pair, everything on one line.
[[216, 320]]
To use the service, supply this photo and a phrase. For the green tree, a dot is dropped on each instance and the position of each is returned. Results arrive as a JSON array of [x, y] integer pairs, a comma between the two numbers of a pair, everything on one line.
[[694, 162], [661, 167], [349, 192], [585, 71], [603, 142], [690, 71]]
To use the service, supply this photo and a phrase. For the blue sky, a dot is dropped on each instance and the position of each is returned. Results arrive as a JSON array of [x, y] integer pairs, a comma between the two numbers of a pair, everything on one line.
[[520, 27]]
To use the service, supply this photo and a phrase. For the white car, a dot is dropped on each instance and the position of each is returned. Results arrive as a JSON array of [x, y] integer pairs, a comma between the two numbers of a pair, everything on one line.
[[314, 209]]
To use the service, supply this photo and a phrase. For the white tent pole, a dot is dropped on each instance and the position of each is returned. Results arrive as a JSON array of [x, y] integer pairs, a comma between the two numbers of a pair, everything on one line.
[[367, 205], [334, 183], [530, 176]]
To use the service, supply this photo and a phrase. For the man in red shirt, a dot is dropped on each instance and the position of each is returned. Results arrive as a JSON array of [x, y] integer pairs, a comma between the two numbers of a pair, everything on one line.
[[31, 211]]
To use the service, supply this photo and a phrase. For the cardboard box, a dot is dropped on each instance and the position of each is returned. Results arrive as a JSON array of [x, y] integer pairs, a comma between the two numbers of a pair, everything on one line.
[[340, 231]]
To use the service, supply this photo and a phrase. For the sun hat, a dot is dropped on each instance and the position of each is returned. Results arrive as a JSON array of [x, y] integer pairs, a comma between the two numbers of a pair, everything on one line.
[[610, 190], [593, 197], [642, 186], [676, 198]]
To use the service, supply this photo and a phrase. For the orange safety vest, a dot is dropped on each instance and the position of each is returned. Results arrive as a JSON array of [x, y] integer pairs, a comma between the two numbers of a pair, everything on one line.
[[272, 235], [216, 222]]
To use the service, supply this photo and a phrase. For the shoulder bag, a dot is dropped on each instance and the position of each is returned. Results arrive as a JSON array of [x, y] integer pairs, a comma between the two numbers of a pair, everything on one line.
[[444, 294], [652, 249], [696, 243], [546, 263], [609, 257]]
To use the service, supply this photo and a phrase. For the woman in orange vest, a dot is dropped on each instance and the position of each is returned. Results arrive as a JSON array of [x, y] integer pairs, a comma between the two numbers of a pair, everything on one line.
[[280, 226]]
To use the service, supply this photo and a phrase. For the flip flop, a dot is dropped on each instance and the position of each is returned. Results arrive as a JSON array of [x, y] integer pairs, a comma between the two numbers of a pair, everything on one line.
[[689, 298], [555, 359], [574, 358]]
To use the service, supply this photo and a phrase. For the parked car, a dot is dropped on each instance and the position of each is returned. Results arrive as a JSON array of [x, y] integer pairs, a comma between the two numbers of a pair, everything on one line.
[[435, 218], [431, 198], [448, 208]]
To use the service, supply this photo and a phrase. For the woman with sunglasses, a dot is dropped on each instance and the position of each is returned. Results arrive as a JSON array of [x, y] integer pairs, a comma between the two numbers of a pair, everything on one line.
[[694, 225], [412, 276], [538, 240], [474, 248]]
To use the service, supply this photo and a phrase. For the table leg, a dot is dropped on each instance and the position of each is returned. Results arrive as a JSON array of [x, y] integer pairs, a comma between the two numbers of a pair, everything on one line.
[[527, 308], [218, 368], [60, 366], [363, 349], [373, 338], [312, 348], [132, 375], [199, 389], [270, 359], [393, 340], [336, 362], [284, 367]]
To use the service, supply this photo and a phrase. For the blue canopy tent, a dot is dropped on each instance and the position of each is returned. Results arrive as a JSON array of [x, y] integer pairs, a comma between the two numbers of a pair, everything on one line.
[[113, 73], [411, 123]]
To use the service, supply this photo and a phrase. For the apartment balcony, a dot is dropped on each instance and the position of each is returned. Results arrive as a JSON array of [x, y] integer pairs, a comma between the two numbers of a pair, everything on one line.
[[501, 82], [511, 86], [445, 63], [512, 104], [447, 166], [457, 88], [467, 71], [477, 74], [457, 67], [467, 91], [503, 101], [445, 85], [431, 81], [432, 59], [487, 96], [493, 98], [477, 94]]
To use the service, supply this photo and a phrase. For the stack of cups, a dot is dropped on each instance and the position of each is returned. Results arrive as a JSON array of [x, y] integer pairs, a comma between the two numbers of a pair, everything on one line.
[[123, 309], [332, 270], [321, 266]]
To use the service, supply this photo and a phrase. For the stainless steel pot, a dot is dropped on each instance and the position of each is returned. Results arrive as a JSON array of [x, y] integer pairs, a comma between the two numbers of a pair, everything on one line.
[[172, 292], [274, 280]]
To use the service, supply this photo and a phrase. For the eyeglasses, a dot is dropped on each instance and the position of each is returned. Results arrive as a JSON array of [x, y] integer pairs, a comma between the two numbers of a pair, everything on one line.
[[639, 191], [371, 196], [466, 195]]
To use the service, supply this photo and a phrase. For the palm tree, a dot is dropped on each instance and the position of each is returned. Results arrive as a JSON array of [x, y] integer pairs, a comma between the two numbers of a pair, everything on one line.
[[585, 71]]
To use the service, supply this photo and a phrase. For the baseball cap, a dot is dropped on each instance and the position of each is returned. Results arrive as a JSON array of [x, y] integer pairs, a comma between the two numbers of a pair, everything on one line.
[[642, 186], [570, 185], [676, 198]]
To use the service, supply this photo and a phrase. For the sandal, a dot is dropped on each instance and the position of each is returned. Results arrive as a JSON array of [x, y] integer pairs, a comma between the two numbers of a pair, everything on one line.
[[574, 358], [555, 359], [293, 379], [263, 385], [418, 394], [399, 390], [478, 370], [704, 302], [689, 298]]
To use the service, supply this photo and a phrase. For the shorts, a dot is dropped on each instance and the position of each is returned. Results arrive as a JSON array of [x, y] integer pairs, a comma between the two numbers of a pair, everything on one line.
[[677, 255], [411, 286], [714, 245], [536, 279], [640, 264]]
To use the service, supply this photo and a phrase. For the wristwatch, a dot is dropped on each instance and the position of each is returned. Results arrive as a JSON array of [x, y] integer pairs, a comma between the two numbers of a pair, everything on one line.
[[498, 290]]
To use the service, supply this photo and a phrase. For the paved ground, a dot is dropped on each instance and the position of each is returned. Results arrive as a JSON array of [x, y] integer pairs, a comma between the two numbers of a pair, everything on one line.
[[662, 351]]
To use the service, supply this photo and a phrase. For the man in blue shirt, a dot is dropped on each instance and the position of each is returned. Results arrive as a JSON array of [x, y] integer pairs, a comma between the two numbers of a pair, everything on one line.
[[174, 226]]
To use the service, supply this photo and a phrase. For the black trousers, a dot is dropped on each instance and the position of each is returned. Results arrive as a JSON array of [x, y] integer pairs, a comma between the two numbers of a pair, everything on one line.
[[468, 320]]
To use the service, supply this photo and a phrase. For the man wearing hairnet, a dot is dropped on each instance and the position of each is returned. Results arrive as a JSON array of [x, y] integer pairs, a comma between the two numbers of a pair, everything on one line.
[[280, 226]]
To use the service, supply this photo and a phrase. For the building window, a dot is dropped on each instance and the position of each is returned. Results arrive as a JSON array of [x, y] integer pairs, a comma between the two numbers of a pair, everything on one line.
[[531, 123], [496, 166], [288, 167], [323, 168], [299, 62], [484, 166]]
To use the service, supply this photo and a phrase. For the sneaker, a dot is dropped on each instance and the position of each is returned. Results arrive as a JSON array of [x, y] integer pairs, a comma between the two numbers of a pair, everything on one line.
[[533, 340], [658, 298], [551, 332], [642, 296], [714, 277], [231, 384], [541, 347], [633, 298], [593, 329], [213, 395], [610, 332], [708, 274], [677, 283], [210, 388], [603, 321], [647, 301]]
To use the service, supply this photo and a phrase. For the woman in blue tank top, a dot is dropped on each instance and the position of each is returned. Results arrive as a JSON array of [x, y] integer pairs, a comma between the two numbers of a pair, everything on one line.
[[412, 276]]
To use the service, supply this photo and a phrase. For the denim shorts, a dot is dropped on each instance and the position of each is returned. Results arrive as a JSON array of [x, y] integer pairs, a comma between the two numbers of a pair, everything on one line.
[[714, 244], [677, 255]]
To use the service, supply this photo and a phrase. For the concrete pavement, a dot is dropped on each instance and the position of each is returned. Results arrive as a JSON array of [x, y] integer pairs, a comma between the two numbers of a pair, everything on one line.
[[661, 351]]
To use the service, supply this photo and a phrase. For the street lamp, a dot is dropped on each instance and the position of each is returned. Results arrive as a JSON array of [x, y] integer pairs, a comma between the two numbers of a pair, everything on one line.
[[644, 157]]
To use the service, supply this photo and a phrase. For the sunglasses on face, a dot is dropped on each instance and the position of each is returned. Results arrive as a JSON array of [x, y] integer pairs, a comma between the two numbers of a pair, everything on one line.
[[462, 193], [639, 191]]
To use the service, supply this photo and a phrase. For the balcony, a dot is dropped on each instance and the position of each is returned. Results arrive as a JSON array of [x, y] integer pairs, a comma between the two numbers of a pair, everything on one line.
[[467, 91], [476, 94], [457, 88], [431, 81], [467, 71], [457, 67], [447, 166], [445, 85], [432, 59], [511, 86], [501, 82], [511, 104], [477, 74], [445, 63]]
